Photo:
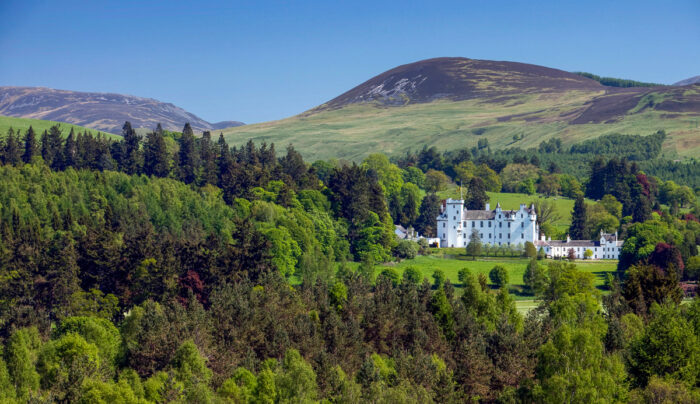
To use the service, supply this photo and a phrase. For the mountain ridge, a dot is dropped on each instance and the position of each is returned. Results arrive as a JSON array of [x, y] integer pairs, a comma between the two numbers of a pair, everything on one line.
[[454, 102], [102, 111]]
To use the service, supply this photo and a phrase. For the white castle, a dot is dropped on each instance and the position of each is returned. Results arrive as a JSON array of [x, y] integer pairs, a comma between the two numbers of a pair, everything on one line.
[[455, 225], [495, 227]]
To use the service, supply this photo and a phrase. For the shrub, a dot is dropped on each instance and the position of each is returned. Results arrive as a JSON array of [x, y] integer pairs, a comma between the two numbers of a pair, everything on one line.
[[405, 249], [499, 276]]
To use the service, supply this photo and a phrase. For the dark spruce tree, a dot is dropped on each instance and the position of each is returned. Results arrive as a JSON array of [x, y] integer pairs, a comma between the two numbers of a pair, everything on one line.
[[156, 160], [12, 153], [476, 194], [131, 159], [70, 151], [427, 214], [207, 156], [187, 157], [52, 147], [30, 146], [578, 231]]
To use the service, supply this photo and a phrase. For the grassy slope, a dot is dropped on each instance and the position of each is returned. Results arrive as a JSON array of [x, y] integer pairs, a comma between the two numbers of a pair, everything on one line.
[[357, 130], [22, 124]]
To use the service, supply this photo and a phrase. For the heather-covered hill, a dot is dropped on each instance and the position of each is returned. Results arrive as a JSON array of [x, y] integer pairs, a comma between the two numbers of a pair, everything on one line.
[[102, 111]]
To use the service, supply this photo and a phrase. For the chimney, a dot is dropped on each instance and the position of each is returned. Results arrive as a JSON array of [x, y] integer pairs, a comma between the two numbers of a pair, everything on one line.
[[568, 239], [488, 206], [542, 237]]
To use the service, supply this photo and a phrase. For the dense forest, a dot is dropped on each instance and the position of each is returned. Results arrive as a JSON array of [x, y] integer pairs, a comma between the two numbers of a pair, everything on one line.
[[614, 82], [173, 268]]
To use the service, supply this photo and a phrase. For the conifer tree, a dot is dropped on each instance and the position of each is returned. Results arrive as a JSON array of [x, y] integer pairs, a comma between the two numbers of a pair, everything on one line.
[[207, 153], [428, 211], [156, 160], [131, 160], [187, 157], [30, 146], [477, 197], [12, 152], [70, 151], [578, 231], [51, 144]]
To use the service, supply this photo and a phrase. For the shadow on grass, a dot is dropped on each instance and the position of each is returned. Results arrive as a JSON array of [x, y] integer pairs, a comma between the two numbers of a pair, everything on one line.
[[602, 275]]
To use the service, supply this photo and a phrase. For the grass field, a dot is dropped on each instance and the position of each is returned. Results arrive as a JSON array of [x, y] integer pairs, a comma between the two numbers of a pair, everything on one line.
[[22, 124], [354, 131], [450, 261]]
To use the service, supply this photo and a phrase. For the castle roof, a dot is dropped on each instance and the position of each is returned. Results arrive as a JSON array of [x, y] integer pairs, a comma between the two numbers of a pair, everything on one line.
[[479, 214]]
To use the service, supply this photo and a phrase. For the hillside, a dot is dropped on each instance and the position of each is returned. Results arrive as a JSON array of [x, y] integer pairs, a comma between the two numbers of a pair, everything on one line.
[[691, 80], [39, 126], [102, 111], [454, 102]]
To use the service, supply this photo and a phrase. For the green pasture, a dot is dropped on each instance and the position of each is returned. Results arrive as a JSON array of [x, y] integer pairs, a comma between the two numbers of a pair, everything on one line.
[[22, 124], [451, 261]]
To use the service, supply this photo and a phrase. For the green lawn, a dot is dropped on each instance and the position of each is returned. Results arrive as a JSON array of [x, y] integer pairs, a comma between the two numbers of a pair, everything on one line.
[[451, 264], [22, 124]]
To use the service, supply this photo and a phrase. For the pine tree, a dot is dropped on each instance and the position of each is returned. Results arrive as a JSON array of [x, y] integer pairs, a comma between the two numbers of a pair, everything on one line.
[[51, 144], [477, 198], [30, 146], [578, 231], [156, 160], [427, 214], [70, 151], [131, 160], [207, 153], [11, 152], [641, 210], [187, 157]]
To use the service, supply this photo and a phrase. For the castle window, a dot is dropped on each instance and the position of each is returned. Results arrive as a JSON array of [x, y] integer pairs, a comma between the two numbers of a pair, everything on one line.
[[481, 235], [509, 225], [473, 223], [481, 224], [489, 224], [522, 225], [443, 224], [509, 237], [500, 224], [489, 235], [522, 236]]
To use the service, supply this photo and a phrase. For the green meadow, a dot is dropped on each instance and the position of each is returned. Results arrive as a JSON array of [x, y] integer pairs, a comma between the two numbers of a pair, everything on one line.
[[450, 264], [22, 124]]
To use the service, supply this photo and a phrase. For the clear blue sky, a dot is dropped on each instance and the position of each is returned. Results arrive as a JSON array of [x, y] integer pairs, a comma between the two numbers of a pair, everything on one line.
[[262, 60]]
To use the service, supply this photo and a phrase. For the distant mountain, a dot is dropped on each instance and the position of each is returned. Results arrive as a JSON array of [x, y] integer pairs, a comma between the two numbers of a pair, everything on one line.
[[103, 111], [685, 82], [452, 103]]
